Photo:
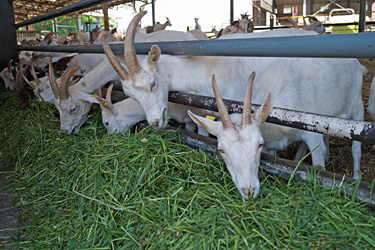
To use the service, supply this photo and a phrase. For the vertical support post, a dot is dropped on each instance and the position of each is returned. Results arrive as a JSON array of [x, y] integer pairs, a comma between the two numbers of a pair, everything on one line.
[[8, 38], [153, 12], [105, 12], [362, 15], [54, 25], [77, 22], [304, 8], [231, 11]]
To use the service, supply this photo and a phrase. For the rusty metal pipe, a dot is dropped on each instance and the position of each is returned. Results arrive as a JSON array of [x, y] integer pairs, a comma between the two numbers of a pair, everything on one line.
[[340, 127]]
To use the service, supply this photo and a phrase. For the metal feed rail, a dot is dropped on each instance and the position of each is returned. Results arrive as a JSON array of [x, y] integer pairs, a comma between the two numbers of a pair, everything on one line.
[[340, 46]]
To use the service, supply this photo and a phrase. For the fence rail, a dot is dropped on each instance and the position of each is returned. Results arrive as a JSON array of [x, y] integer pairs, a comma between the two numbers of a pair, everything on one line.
[[340, 46]]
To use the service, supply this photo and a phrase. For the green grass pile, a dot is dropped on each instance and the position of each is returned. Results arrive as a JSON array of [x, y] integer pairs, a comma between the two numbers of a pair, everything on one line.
[[147, 189]]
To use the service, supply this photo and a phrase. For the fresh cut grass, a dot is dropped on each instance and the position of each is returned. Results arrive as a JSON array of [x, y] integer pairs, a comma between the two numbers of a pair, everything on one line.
[[148, 190]]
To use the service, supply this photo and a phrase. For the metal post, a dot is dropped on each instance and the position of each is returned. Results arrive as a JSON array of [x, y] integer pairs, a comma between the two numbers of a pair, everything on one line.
[[77, 22], [54, 25], [8, 38], [153, 11], [362, 15], [105, 12], [231, 11]]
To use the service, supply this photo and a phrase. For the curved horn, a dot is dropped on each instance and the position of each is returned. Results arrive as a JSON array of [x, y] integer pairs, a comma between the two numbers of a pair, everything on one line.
[[109, 95], [52, 81], [65, 81], [10, 65], [36, 78], [246, 110], [129, 50], [295, 25], [19, 81], [27, 81], [224, 116], [49, 35], [113, 61]]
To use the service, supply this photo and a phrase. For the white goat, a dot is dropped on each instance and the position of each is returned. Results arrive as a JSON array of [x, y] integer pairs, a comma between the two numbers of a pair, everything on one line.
[[62, 40], [76, 102], [371, 101], [243, 25], [7, 75], [197, 25], [108, 34], [40, 86], [320, 85], [158, 26], [121, 116], [240, 143], [83, 37]]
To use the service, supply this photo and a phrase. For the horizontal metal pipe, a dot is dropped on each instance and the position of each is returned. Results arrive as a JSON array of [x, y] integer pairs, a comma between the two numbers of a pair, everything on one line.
[[288, 169], [355, 130], [81, 5], [341, 45]]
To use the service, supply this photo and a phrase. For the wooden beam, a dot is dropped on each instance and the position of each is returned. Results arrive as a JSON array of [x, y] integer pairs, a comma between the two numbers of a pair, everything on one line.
[[105, 13]]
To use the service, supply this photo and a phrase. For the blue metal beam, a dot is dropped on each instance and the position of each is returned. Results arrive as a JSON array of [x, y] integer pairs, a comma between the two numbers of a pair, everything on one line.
[[340, 45]]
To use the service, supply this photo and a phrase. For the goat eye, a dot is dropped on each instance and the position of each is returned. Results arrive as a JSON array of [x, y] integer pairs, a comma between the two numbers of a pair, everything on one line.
[[73, 109], [261, 145], [153, 85], [221, 150], [106, 123]]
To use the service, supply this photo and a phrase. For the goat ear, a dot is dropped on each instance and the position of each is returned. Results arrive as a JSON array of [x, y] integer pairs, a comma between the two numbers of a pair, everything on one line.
[[88, 98], [211, 126], [263, 112], [154, 55]]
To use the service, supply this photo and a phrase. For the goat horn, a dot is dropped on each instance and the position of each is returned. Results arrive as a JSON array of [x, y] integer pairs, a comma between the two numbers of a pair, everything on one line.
[[295, 25], [129, 50], [27, 81], [100, 93], [36, 78], [49, 35], [52, 81], [109, 94], [10, 65], [19, 81], [113, 61], [224, 116], [246, 110], [65, 82]]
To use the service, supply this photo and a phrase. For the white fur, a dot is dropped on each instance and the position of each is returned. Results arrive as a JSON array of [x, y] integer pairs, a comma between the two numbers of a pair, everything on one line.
[[9, 81], [121, 116], [371, 101], [80, 100]]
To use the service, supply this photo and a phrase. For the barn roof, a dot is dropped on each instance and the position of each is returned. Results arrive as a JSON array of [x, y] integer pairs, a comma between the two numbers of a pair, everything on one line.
[[26, 9]]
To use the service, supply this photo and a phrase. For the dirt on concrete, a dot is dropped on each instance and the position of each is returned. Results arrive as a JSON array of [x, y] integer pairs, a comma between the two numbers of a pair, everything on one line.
[[9, 223]]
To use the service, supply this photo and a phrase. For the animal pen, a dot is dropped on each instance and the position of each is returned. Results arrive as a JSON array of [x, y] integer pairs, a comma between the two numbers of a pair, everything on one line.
[[344, 46]]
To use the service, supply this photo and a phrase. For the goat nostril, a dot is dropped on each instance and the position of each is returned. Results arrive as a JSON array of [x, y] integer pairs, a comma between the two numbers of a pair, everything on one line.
[[253, 190], [245, 191]]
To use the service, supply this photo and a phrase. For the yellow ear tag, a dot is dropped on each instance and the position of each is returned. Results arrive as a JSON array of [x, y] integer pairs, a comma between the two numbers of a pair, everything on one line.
[[94, 95], [33, 82], [106, 104], [211, 117]]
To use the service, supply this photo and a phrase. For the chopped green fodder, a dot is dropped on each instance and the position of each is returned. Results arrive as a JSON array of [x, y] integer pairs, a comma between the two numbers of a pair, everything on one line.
[[147, 189]]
